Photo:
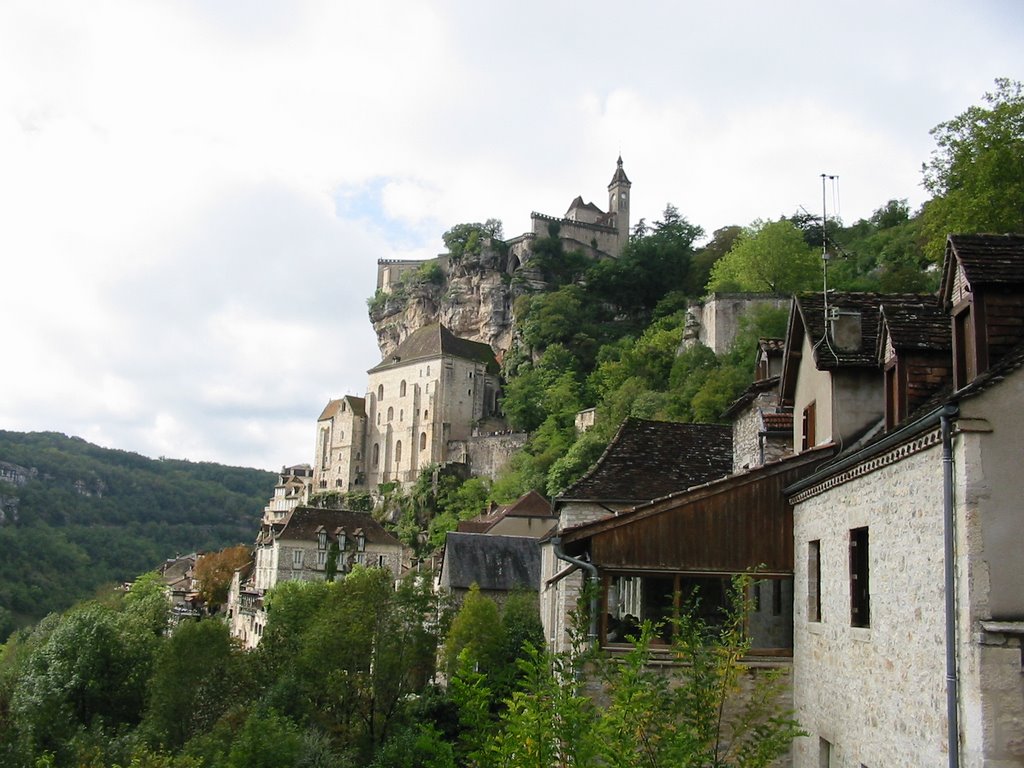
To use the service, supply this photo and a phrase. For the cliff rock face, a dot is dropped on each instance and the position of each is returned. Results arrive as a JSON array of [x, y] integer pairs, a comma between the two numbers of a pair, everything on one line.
[[474, 301]]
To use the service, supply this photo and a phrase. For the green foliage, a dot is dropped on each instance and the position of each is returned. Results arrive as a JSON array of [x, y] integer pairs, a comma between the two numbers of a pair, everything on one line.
[[708, 712], [976, 172], [467, 239], [91, 516], [768, 256], [198, 672], [266, 740], [474, 638], [651, 265]]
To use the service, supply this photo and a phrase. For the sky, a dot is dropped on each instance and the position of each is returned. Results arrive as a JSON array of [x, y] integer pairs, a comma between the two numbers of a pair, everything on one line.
[[194, 194]]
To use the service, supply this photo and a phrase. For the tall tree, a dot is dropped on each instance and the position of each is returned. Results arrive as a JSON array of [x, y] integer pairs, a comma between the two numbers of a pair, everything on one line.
[[976, 173], [768, 256]]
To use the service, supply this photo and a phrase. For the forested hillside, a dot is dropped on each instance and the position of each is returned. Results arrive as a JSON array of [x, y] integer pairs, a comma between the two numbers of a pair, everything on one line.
[[84, 516]]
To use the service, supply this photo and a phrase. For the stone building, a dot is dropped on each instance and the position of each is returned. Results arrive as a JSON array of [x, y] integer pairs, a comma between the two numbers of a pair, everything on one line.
[[310, 545], [909, 585], [762, 428], [424, 401], [292, 489]]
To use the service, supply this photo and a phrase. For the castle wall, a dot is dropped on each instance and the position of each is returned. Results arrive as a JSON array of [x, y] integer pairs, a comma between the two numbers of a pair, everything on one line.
[[720, 315], [486, 455]]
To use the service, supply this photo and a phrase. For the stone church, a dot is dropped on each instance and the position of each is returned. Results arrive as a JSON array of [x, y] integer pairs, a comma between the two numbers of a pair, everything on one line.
[[423, 398]]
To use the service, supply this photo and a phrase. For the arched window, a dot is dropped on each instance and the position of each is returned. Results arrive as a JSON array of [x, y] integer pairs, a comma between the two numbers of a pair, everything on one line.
[[401, 389], [428, 370], [391, 413], [401, 414], [378, 418], [380, 392], [376, 454], [425, 412], [398, 452], [342, 406], [325, 447], [423, 441]]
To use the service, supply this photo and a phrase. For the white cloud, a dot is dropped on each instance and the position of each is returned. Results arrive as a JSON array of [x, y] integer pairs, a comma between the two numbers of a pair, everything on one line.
[[195, 194]]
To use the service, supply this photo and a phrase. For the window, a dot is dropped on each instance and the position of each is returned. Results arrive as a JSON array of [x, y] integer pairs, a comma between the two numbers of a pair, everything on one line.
[[860, 594], [376, 454], [398, 452], [965, 366], [378, 418], [401, 414], [380, 392], [401, 389], [425, 412], [342, 406], [423, 441], [391, 413], [824, 753], [428, 370], [809, 422], [321, 558], [325, 447], [296, 558], [814, 580]]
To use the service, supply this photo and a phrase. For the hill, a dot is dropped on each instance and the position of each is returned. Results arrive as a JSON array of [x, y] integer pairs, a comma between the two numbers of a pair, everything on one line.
[[75, 516]]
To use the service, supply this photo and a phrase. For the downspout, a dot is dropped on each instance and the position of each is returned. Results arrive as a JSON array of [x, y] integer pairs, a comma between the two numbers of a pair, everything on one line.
[[591, 569], [952, 684]]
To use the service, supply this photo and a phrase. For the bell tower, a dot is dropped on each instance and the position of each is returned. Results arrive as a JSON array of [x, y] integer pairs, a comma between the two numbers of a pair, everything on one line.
[[618, 203]]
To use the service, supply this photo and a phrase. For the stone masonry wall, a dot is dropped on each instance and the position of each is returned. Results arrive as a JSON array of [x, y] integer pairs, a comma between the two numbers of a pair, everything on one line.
[[876, 694]]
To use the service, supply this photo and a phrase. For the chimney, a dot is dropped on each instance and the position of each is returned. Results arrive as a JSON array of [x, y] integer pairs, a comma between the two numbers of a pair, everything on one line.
[[845, 329]]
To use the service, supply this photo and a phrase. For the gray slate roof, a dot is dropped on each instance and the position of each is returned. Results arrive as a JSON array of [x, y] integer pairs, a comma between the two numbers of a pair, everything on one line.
[[650, 459], [305, 522], [499, 563], [433, 341], [986, 259]]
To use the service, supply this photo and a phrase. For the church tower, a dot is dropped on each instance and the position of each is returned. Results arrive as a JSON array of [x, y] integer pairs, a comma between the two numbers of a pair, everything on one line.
[[618, 202]]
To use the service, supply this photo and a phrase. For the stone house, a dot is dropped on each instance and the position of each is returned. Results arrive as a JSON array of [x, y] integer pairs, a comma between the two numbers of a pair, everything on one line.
[[646, 460], [762, 426], [497, 563], [292, 489], [529, 515], [310, 545], [422, 404], [909, 585]]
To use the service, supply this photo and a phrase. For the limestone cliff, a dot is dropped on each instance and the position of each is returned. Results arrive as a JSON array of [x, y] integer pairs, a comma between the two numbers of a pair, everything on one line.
[[472, 297]]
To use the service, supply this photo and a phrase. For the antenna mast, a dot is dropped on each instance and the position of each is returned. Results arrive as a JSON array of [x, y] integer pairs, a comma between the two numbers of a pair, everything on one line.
[[824, 246]]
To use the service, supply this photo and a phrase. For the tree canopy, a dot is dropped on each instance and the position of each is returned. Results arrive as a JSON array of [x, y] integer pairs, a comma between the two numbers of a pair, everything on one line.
[[976, 172], [768, 256]]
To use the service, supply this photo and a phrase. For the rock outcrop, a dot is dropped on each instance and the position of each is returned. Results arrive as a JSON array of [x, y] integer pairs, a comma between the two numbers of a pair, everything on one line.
[[474, 301]]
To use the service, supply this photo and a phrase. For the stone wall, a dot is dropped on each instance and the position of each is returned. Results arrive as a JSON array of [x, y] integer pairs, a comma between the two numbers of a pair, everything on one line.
[[486, 455], [720, 314], [876, 694]]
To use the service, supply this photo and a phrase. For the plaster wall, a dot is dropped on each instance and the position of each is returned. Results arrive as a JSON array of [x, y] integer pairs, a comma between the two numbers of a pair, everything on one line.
[[814, 386], [876, 694]]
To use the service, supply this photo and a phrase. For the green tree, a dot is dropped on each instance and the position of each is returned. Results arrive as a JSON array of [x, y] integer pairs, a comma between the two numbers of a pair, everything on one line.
[[768, 256], [196, 678], [976, 172], [476, 635]]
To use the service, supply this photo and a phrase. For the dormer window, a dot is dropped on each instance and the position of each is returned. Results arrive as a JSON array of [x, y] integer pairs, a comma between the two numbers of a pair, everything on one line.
[[360, 540], [342, 539], [321, 539]]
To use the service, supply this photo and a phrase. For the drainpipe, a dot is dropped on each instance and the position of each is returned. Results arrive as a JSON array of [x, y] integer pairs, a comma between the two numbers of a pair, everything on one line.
[[952, 684], [591, 569]]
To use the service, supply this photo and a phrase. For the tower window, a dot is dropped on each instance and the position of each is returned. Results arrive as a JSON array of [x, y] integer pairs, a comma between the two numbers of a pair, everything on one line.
[[860, 593]]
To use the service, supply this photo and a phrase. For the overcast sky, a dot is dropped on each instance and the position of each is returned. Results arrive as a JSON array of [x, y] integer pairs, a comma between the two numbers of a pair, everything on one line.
[[194, 195]]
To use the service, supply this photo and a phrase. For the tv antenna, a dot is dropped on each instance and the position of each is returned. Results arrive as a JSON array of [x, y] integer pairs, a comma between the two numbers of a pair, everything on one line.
[[825, 177]]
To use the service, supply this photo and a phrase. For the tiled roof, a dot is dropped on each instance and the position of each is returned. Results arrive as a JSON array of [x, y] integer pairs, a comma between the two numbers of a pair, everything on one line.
[[988, 259], [492, 562], [305, 522], [771, 345], [578, 203], [827, 354], [356, 404], [530, 504], [778, 422], [433, 341], [747, 396], [915, 326], [649, 459]]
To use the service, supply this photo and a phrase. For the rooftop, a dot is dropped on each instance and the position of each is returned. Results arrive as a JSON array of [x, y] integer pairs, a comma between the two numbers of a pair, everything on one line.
[[649, 459]]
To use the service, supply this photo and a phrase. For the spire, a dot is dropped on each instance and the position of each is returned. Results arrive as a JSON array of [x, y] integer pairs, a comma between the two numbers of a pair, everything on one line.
[[620, 175]]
